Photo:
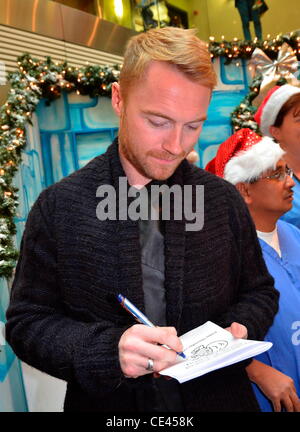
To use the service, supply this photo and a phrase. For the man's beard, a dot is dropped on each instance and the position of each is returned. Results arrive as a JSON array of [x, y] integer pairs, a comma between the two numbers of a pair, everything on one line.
[[143, 169]]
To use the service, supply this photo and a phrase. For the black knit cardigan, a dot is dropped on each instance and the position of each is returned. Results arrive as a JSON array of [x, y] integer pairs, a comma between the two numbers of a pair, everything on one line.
[[64, 319]]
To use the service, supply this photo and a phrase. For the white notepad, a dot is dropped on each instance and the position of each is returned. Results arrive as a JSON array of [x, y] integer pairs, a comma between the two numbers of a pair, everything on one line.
[[210, 347]]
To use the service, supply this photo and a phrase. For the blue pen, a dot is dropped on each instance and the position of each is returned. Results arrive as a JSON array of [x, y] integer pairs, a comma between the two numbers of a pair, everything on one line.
[[139, 316]]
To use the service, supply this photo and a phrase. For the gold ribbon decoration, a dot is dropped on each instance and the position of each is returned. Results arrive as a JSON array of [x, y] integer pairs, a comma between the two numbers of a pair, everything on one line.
[[285, 65]]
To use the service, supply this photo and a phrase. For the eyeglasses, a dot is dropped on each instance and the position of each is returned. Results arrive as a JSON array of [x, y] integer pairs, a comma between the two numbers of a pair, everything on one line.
[[279, 175]]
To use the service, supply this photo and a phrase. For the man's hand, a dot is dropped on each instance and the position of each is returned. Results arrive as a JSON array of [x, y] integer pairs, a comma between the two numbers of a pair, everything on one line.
[[275, 385], [140, 343], [238, 330]]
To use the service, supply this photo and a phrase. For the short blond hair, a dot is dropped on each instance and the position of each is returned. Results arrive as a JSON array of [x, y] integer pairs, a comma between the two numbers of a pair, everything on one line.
[[176, 46]]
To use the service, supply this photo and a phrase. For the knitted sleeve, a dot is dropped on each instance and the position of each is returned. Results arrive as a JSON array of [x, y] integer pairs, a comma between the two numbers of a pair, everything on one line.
[[257, 301], [39, 330]]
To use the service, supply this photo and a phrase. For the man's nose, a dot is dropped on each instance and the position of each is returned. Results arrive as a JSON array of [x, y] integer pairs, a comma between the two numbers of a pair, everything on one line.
[[289, 181], [173, 141]]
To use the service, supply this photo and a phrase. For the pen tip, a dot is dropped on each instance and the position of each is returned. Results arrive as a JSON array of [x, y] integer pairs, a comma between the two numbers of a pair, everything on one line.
[[120, 298]]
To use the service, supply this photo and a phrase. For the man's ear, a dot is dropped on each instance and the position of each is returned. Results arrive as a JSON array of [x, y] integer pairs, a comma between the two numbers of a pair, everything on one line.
[[275, 132], [244, 190], [116, 99]]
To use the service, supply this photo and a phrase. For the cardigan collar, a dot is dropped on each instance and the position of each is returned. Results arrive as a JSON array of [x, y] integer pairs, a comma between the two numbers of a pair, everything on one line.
[[129, 251]]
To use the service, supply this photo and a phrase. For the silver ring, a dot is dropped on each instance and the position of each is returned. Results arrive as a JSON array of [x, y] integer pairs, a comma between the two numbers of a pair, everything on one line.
[[150, 365]]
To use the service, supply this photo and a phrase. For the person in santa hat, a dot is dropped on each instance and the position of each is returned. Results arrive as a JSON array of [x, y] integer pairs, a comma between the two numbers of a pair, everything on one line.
[[257, 167], [279, 117]]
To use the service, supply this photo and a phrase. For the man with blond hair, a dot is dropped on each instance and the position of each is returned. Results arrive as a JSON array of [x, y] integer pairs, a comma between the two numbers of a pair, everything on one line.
[[64, 317]]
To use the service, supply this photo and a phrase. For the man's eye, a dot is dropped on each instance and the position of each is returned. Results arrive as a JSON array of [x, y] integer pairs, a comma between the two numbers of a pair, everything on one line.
[[194, 126], [157, 123]]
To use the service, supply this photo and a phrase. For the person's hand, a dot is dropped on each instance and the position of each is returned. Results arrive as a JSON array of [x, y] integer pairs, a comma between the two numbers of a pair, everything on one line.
[[192, 156], [140, 343], [275, 385], [238, 330]]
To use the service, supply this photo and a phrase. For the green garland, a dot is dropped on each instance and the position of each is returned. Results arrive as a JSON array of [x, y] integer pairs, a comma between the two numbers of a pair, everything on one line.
[[243, 115], [241, 49], [38, 79], [33, 81]]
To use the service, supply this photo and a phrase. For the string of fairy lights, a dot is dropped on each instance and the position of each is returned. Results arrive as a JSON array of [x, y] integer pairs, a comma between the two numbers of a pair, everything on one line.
[[34, 80], [240, 49], [44, 79]]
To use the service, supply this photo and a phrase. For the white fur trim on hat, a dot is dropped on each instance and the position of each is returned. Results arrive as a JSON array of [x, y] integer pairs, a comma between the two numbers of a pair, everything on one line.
[[249, 164], [274, 105]]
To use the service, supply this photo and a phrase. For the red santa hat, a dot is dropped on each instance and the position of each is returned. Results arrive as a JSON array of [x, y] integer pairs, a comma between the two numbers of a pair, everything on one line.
[[271, 105], [244, 156]]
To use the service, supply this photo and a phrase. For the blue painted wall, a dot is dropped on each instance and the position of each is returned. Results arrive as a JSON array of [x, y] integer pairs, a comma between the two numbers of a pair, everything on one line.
[[233, 82], [74, 129]]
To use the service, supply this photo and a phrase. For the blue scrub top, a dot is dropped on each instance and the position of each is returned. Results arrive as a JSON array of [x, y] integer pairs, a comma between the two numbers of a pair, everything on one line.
[[285, 331], [293, 216]]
